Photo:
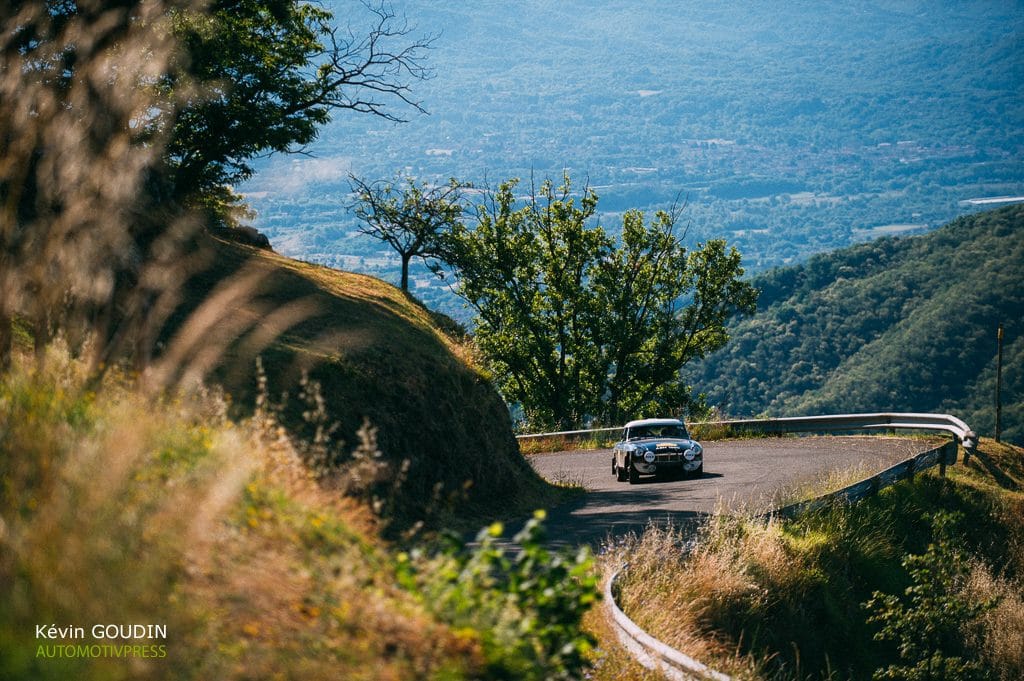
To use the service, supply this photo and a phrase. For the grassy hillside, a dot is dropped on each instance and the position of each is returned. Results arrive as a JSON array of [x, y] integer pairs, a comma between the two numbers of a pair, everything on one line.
[[259, 530], [789, 599], [381, 358], [897, 324], [122, 507]]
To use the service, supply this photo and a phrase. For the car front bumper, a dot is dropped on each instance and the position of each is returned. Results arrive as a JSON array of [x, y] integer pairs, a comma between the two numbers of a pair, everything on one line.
[[667, 466]]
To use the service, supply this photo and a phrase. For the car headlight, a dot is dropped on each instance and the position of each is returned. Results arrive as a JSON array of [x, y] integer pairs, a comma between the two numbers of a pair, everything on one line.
[[649, 457]]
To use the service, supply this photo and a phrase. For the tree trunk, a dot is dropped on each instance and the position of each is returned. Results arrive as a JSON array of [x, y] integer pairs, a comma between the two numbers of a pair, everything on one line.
[[405, 271]]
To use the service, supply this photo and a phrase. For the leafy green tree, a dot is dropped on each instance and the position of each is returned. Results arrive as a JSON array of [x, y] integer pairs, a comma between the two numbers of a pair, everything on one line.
[[412, 220], [578, 327], [129, 111], [266, 74], [646, 333]]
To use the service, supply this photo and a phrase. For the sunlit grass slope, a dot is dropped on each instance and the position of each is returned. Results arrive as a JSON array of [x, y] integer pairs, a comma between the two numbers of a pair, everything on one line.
[[381, 357], [787, 600], [116, 508]]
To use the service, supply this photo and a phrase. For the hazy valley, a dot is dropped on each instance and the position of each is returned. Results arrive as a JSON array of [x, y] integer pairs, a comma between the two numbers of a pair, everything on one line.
[[787, 128]]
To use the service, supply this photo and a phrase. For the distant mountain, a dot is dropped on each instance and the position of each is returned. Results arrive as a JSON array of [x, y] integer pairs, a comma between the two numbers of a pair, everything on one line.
[[897, 324]]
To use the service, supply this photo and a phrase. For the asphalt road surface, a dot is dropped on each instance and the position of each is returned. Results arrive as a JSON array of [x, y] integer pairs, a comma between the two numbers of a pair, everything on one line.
[[754, 474]]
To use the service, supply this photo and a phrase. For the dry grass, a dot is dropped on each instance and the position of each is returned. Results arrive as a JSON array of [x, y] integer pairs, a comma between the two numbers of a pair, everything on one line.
[[783, 600], [821, 484], [1000, 635], [684, 588], [380, 356], [710, 431], [567, 443], [116, 509], [611, 661]]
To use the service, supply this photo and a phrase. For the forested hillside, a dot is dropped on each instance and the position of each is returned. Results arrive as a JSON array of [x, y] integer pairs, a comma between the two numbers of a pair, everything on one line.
[[897, 324]]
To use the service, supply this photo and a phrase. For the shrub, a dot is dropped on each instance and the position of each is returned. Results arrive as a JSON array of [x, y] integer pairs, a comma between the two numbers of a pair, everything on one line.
[[929, 623], [527, 610]]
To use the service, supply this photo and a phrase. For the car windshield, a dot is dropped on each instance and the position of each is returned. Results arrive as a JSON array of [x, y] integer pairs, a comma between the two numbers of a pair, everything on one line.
[[641, 432]]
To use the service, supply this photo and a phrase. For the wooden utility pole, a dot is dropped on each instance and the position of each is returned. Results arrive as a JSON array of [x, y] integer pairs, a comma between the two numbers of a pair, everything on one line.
[[999, 382]]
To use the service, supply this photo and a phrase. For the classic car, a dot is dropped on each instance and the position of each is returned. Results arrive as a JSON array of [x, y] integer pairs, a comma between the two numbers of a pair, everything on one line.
[[661, 447]]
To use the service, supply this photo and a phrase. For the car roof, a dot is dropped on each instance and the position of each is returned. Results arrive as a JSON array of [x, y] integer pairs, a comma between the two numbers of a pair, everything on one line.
[[654, 422]]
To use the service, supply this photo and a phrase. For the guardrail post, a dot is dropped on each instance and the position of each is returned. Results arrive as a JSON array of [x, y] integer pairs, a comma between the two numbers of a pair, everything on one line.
[[948, 454], [970, 442]]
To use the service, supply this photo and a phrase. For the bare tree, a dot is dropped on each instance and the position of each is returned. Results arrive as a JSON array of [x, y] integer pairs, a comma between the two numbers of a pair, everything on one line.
[[365, 70], [411, 218]]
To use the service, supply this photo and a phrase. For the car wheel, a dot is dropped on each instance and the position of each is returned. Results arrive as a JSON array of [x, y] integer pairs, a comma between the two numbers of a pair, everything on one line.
[[620, 473], [634, 475]]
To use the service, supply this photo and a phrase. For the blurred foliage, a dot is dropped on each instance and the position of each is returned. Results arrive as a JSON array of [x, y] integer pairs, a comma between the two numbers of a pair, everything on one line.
[[527, 609]]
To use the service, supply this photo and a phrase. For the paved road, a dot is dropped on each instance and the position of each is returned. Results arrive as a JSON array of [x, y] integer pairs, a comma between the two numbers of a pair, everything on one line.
[[739, 474]]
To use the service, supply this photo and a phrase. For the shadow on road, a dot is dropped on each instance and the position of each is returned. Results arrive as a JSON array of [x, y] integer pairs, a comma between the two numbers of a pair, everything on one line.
[[601, 516], [653, 479]]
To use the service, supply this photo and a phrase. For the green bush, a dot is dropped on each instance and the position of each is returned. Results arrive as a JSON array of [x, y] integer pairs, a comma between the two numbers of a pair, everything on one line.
[[526, 610], [928, 624]]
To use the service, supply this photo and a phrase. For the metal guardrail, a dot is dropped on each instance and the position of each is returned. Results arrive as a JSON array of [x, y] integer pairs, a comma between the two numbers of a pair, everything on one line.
[[652, 653], [823, 424], [942, 456], [849, 422], [678, 666], [568, 432]]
